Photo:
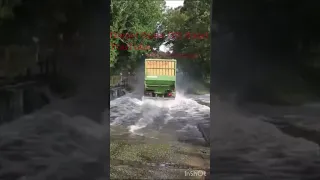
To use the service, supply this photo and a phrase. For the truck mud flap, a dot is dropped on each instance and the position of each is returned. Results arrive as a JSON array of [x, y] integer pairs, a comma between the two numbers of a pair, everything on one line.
[[158, 98]]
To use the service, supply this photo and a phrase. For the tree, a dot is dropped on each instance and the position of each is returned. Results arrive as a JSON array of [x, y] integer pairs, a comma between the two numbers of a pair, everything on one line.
[[193, 18], [137, 18]]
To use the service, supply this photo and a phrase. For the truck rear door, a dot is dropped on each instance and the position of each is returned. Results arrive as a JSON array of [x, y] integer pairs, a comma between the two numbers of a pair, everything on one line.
[[160, 67]]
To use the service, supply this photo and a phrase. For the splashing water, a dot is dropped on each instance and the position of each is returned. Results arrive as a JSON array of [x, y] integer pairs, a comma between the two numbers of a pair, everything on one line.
[[176, 116], [48, 145]]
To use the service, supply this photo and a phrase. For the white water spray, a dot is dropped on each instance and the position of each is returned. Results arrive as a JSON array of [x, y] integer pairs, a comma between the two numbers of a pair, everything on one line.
[[137, 115]]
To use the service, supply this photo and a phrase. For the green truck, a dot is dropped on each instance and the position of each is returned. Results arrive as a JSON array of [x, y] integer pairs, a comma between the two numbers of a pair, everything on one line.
[[160, 78]]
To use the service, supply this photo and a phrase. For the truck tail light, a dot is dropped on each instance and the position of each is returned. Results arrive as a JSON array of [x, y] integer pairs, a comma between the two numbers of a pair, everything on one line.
[[169, 94]]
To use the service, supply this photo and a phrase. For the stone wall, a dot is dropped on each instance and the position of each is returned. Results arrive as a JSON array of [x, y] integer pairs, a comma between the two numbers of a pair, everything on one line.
[[17, 102]]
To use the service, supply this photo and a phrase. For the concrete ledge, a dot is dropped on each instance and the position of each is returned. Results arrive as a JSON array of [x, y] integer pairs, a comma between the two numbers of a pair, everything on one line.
[[204, 128]]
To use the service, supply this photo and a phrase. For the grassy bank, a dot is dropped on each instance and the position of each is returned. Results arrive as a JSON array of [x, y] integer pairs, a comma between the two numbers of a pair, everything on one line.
[[143, 157], [282, 90], [199, 88]]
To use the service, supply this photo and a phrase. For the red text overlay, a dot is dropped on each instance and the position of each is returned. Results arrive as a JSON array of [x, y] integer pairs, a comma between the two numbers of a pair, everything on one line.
[[138, 47], [175, 55], [175, 35]]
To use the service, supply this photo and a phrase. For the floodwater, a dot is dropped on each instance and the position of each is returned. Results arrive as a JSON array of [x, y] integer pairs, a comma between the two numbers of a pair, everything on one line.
[[52, 145], [247, 148], [167, 123], [177, 117]]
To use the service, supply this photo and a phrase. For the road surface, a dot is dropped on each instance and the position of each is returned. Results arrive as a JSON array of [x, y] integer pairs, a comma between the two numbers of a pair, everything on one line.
[[169, 123], [244, 147], [57, 144]]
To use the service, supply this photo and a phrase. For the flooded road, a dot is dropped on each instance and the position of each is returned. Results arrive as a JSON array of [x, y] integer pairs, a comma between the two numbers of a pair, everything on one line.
[[178, 117], [166, 129], [60, 145], [245, 147]]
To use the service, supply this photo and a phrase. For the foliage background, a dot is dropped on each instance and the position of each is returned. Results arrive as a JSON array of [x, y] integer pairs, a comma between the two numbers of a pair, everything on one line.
[[136, 16]]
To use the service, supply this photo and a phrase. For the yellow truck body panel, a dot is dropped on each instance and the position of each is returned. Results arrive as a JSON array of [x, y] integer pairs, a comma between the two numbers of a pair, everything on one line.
[[160, 67]]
